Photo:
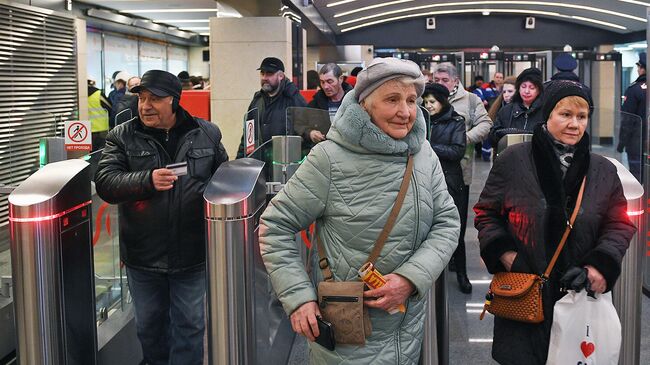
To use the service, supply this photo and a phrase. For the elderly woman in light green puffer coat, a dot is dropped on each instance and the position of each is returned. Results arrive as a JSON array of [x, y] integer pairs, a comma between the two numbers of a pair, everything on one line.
[[348, 185]]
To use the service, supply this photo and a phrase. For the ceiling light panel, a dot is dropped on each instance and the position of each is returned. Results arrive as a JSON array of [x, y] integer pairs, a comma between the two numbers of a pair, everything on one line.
[[464, 11], [149, 11], [635, 2], [475, 3], [337, 3], [181, 21]]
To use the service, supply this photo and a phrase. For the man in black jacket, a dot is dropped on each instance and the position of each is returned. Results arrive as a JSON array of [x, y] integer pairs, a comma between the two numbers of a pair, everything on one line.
[[634, 108], [162, 230], [272, 100], [329, 97]]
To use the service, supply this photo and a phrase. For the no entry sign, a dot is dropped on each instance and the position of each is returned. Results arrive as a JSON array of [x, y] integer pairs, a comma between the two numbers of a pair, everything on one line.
[[78, 136]]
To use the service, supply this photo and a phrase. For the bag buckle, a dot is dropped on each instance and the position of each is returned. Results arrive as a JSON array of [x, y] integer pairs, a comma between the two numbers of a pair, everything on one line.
[[569, 224]]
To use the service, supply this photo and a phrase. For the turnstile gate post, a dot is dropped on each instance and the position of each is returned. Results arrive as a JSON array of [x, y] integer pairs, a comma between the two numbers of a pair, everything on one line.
[[246, 322], [52, 266], [626, 294]]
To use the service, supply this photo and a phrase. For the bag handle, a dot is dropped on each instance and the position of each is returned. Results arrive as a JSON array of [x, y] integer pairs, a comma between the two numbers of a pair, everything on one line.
[[568, 229], [323, 263]]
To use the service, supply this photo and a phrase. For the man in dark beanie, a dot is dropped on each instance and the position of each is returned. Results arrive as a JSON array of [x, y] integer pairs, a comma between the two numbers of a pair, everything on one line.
[[634, 108], [524, 112], [162, 231]]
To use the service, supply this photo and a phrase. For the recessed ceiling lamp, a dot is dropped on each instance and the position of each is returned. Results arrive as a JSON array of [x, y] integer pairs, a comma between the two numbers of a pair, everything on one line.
[[486, 13], [462, 11], [499, 2]]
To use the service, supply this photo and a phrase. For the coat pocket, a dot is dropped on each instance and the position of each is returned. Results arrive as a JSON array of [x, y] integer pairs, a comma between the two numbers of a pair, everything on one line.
[[200, 162], [140, 160]]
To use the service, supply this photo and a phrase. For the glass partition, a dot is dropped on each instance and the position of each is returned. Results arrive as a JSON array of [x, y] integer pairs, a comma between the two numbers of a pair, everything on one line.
[[619, 138], [110, 274]]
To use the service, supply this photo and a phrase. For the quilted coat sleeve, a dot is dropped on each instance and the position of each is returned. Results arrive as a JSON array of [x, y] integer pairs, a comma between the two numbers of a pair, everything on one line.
[[480, 122], [616, 231], [433, 254], [300, 203], [113, 180], [491, 220]]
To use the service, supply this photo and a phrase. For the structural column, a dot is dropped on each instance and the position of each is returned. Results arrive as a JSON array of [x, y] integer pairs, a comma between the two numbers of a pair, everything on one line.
[[237, 47]]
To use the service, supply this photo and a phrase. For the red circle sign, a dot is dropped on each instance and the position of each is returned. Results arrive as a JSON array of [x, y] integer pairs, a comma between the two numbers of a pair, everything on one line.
[[77, 132]]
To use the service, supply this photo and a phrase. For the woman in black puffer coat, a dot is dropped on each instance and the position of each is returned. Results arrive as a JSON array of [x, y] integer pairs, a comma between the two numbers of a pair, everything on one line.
[[525, 110], [524, 208], [448, 141]]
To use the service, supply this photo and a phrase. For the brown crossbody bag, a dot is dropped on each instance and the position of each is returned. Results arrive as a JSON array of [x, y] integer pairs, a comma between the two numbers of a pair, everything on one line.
[[341, 302], [518, 296]]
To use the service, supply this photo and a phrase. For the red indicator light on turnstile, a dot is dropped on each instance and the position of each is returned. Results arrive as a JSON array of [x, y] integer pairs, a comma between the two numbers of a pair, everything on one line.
[[49, 217], [84, 213], [66, 221], [635, 213]]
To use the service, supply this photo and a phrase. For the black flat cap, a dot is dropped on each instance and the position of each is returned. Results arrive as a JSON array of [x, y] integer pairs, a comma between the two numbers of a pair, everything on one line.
[[160, 83], [271, 64]]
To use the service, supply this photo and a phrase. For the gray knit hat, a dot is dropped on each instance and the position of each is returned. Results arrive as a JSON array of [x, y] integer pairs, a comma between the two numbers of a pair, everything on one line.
[[381, 70]]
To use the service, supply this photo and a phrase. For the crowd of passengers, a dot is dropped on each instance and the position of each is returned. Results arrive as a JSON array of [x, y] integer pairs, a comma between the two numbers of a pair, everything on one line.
[[387, 184]]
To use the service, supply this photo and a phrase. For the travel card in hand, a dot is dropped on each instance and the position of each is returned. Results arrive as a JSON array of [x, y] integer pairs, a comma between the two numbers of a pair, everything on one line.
[[179, 168]]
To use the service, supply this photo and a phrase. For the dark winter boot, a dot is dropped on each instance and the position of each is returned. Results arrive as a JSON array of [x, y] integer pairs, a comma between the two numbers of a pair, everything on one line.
[[463, 282]]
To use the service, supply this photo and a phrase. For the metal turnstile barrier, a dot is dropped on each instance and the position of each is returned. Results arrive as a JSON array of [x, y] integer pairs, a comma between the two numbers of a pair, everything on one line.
[[286, 157], [626, 294], [435, 344], [52, 266], [512, 139], [246, 322]]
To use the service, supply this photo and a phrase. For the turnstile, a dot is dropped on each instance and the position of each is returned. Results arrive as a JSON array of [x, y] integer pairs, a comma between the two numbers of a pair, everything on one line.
[[52, 266], [247, 324], [626, 294], [512, 139]]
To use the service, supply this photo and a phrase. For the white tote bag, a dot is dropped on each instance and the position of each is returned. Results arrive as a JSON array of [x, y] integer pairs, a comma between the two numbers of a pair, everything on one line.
[[585, 331]]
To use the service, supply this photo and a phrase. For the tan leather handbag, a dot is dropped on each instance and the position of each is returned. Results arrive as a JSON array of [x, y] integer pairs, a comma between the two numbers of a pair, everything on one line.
[[341, 302], [518, 296]]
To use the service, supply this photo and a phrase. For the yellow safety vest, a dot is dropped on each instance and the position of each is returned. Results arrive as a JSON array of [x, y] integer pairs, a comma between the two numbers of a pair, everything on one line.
[[98, 116]]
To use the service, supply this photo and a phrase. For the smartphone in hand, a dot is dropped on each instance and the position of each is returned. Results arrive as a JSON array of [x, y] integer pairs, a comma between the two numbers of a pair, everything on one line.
[[326, 336]]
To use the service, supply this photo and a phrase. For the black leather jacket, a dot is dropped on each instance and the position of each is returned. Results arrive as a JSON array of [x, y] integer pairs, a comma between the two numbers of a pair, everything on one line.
[[273, 112], [448, 140], [515, 118], [160, 230]]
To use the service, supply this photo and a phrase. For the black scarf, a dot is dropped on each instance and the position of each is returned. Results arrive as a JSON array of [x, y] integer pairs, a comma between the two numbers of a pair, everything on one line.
[[560, 193]]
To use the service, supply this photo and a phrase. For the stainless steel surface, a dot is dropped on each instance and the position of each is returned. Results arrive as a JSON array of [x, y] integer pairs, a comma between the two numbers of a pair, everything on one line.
[[511, 139], [286, 157], [435, 345], [246, 323], [52, 266], [54, 149], [236, 190], [627, 291]]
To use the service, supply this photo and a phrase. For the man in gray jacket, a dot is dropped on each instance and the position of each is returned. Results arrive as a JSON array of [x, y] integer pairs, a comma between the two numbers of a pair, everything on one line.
[[478, 124]]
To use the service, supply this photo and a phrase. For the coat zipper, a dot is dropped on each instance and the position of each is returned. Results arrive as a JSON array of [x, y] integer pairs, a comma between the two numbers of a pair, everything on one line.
[[340, 298]]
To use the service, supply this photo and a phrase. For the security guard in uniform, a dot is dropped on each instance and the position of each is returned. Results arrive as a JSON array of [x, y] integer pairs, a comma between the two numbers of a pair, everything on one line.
[[634, 102], [98, 108]]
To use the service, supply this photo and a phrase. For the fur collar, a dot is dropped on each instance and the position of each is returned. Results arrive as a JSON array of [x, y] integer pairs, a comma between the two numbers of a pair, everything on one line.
[[353, 129]]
